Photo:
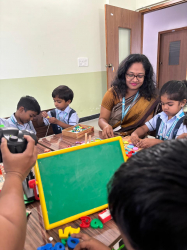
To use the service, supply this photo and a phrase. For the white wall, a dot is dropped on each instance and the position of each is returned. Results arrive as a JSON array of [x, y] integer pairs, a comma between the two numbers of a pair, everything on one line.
[[126, 4], [154, 22], [45, 37]]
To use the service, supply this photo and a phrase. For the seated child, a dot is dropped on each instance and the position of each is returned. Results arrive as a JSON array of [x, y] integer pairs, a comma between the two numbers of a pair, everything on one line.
[[63, 116], [169, 123], [147, 200], [183, 136], [27, 109]]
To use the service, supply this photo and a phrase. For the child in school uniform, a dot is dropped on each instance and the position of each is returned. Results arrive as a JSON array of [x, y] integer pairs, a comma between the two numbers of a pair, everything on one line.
[[183, 136], [62, 116], [169, 123], [147, 200], [27, 109]]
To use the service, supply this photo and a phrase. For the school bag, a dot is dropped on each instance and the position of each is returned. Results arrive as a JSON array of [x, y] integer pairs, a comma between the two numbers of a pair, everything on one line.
[[177, 126], [56, 129]]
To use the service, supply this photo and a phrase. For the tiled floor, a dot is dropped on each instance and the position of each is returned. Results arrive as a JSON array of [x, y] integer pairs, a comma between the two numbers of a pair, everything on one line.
[[93, 123]]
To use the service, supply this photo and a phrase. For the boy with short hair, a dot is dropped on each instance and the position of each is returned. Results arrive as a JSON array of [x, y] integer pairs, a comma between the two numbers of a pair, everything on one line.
[[27, 109], [63, 116], [147, 200]]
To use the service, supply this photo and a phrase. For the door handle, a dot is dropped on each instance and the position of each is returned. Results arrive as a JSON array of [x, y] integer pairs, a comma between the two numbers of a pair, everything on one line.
[[108, 65]]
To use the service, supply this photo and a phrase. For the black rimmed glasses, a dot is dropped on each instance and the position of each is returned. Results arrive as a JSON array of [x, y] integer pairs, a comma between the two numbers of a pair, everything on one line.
[[132, 76]]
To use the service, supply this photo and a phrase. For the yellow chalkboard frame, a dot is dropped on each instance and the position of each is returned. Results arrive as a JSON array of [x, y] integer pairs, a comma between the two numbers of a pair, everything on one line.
[[49, 226]]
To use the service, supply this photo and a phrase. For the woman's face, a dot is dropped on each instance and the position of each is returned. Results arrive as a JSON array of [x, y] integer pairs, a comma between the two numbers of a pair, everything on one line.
[[135, 76]]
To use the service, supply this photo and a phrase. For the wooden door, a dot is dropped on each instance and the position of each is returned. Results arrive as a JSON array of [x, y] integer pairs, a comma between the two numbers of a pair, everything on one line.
[[116, 18], [172, 63]]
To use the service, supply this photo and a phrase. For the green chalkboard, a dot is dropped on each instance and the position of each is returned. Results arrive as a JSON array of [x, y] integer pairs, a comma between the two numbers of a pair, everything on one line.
[[75, 181]]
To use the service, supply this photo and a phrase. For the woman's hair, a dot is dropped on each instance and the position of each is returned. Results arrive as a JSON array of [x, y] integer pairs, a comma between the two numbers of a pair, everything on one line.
[[147, 90], [176, 90]]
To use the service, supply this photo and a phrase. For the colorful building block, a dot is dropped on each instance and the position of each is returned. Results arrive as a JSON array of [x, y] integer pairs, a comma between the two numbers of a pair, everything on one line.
[[59, 246], [67, 232], [72, 242], [96, 223], [85, 221], [48, 246], [105, 216]]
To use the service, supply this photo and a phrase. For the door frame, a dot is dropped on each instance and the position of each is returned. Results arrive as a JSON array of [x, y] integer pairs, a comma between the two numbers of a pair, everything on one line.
[[158, 49], [155, 8]]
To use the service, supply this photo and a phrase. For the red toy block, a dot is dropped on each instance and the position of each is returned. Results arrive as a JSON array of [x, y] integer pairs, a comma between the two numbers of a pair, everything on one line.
[[105, 216], [32, 184], [85, 221], [46, 150]]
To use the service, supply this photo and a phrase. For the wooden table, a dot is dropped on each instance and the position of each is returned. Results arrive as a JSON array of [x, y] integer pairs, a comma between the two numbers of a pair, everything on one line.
[[36, 233]]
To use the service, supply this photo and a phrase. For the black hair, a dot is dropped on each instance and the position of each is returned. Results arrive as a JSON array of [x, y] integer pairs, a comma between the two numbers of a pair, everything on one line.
[[29, 103], [148, 197], [63, 92], [147, 90], [185, 120], [176, 90]]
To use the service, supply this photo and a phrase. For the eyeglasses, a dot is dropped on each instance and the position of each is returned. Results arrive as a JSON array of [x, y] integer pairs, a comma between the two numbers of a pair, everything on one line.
[[132, 76]]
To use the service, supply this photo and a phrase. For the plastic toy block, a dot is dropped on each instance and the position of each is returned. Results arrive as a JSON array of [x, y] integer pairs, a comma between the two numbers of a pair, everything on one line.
[[72, 242], [130, 146], [135, 148], [105, 216], [85, 221], [67, 232], [32, 184], [48, 246], [125, 142], [96, 223], [59, 246]]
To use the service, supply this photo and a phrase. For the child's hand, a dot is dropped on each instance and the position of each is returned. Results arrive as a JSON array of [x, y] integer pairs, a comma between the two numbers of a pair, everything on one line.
[[44, 114], [146, 143], [88, 243], [52, 120], [134, 139], [183, 136]]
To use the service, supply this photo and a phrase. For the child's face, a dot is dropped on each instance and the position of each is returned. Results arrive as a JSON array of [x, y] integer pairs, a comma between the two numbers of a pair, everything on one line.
[[26, 116], [171, 107], [60, 103]]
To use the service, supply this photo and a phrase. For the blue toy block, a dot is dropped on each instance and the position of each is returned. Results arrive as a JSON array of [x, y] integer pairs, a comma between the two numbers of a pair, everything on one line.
[[48, 246], [130, 146], [59, 246], [72, 242]]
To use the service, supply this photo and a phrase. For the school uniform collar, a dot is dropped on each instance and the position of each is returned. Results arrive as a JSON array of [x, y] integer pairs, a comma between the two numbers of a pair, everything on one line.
[[66, 110], [16, 122], [164, 117], [14, 118]]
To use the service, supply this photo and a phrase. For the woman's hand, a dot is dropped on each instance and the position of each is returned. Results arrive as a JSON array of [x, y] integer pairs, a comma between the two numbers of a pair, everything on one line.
[[89, 243], [107, 131], [134, 139]]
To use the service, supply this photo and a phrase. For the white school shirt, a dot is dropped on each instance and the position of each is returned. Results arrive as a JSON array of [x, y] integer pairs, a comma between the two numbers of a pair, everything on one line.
[[26, 126], [64, 115], [4, 122], [151, 124]]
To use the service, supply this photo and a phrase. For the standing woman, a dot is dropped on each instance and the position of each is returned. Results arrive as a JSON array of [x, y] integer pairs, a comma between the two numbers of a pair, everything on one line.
[[132, 98]]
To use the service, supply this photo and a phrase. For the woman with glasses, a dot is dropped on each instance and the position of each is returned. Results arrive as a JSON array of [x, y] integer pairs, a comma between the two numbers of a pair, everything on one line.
[[131, 99]]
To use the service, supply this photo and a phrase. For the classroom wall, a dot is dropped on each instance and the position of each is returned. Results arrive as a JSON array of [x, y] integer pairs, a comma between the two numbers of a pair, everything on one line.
[[126, 4], [40, 41], [154, 22]]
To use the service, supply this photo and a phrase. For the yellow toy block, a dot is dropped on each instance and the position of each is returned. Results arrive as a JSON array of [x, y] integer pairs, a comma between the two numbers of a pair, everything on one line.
[[67, 232]]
